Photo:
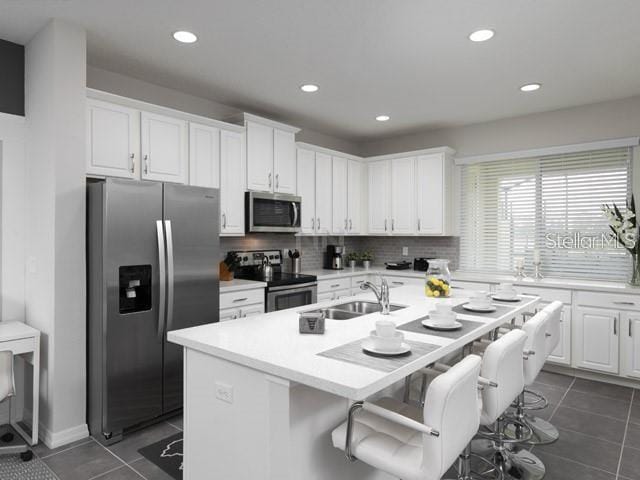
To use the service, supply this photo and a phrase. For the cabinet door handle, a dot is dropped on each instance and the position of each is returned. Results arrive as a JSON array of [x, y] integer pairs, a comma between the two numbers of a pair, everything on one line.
[[623, 303], [146, 163], [318, 223], [313, 224], [615, 326], [393, 224], [132, 163], [269, 180], [350, 225], [240, 300], [224, 220], [418, 224], [630, 332], [398, 283], [385, 224], [335, 286], [277, 180], [345, 224]]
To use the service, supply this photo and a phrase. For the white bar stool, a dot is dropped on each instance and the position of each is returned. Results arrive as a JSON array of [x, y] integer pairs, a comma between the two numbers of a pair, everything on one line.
[[406, 448]]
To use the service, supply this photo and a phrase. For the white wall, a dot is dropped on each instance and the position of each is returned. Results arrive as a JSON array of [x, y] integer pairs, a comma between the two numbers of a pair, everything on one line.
[[125, 86], [599, 121], [55, 70]]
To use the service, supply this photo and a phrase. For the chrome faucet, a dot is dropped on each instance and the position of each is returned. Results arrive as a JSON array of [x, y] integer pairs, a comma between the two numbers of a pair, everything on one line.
[[382, 294]]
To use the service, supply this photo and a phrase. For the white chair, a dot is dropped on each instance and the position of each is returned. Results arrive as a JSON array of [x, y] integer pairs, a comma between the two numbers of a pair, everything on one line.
[[407, 448], [543, 344], [9, 444]]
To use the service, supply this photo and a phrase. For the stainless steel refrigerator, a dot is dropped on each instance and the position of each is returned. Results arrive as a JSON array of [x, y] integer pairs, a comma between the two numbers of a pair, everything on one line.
[[152, 260]]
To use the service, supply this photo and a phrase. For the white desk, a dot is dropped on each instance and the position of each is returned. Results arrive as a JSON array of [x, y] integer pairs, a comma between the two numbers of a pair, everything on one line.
[[24, 341]]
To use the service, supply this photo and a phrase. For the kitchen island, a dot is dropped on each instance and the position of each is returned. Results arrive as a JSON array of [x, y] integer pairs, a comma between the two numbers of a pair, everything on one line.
[[261, 402]]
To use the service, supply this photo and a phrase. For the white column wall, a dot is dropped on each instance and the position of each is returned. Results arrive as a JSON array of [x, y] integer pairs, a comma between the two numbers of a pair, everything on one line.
[[55, 71]]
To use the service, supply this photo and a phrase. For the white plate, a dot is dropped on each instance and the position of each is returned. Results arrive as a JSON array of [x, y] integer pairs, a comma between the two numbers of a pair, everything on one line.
[[433, 326], [369, 346], [471, 308], [506, 298]]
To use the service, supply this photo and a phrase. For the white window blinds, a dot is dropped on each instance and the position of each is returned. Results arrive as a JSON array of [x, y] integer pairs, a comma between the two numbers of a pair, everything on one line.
[[550, 203]]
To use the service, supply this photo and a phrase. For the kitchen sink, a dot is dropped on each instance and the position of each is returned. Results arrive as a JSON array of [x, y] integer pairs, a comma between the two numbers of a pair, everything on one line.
[[363, 307], [347, 311]]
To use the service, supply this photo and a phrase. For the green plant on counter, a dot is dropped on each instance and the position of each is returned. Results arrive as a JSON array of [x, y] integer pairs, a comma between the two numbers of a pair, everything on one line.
[[353, 257], [366, 256], [232, 261]]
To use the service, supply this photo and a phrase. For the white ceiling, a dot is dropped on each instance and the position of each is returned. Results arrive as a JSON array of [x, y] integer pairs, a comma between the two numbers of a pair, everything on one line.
[[410, 59]]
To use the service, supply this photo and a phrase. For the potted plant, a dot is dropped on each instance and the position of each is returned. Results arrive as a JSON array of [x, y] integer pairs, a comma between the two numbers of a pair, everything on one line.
[[352, 259], [228, 266], [625, 228], [366, 258]]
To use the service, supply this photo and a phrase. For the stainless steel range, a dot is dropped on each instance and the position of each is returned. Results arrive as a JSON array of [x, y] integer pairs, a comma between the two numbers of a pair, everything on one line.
[[284, 290]]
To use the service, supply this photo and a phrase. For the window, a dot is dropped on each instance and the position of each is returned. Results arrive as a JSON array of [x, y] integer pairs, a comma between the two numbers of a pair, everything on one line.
[[550, 203]]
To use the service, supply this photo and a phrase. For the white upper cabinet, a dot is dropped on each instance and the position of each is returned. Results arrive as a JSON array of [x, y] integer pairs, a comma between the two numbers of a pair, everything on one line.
[[354, 201], [113, 140], [284, 162], [232, 183], [164, 148], [340, 222], [259, 157], [433, 201], [379, 196], [306, 184], [204, 156], [403, 196], [271, 155], [323, 193]]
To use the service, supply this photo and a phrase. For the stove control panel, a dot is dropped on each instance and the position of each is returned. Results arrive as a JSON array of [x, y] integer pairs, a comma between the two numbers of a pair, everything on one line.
[[254, 258]]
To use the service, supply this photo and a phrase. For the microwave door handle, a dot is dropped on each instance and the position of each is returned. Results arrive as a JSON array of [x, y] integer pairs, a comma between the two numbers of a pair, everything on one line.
[[295, 213]]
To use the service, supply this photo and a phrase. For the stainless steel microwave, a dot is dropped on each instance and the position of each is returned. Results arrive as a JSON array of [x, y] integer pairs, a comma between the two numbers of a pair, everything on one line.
[[272, 212]]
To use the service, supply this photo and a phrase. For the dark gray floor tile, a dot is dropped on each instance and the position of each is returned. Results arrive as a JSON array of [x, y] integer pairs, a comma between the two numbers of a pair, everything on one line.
[[597, 404], [554, 379], [545, 413], [630, 465], [83, 462], [589, 423], [633, 436], [149, 470], [617, 392], [585, 449], [564, 469], [176, 422], [635, 408], [127, 449], [122, 473], [43, 451], [552, 394]]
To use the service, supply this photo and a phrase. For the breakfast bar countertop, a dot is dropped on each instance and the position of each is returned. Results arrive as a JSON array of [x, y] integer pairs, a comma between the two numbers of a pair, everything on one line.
[[272, 344]]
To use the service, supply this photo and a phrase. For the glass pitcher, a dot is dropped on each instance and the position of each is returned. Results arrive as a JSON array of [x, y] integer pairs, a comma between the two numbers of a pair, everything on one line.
[[438, 278]]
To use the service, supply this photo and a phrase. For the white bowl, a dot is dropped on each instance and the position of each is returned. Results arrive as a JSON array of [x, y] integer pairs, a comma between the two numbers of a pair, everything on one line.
[[389, 344], [442, 320]]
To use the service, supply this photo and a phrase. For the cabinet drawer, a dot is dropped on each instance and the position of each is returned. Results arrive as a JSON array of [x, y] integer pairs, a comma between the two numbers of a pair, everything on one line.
[[608, 300], [478, 286], [546, 294], [395, 282], [334, 284], [357, 281], [242, 297]]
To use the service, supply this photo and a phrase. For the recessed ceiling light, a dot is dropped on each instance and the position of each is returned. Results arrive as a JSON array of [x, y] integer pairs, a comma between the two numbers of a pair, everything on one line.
[[530, 87], [382, 118], [481, 35], [309, 88], [185, 37]]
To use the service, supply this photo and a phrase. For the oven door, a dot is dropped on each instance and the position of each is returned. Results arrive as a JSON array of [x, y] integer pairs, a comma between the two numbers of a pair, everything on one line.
[[272, 212], [291, 296]]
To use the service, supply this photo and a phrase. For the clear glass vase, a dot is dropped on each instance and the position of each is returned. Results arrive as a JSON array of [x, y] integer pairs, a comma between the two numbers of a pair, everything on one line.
[[438, 279], [635, 272]]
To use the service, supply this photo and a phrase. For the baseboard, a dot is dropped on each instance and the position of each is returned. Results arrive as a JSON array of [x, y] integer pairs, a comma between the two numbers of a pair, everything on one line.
[[588, 375], [58, 439]]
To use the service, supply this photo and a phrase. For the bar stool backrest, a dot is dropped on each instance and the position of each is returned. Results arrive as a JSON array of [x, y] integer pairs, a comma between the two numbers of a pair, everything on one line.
[[536, 346], [554, 311], [451, 408]]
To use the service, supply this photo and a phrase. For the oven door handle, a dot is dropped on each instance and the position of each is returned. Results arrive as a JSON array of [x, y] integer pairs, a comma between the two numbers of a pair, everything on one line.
[[293, 287]]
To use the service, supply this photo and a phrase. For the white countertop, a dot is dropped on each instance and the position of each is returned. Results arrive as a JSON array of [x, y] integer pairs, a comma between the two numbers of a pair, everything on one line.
[[562, 283], [238, 284], [272, 344]]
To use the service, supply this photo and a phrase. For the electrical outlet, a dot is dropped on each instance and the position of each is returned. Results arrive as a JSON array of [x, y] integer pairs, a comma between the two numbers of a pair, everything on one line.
[[405, 251], [224, 392]]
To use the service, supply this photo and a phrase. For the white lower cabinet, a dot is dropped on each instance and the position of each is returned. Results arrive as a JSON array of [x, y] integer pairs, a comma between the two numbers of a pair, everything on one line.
[[326, 296], [395, 282], [595, 339], [562, 353], [241, 304], [630, 344]]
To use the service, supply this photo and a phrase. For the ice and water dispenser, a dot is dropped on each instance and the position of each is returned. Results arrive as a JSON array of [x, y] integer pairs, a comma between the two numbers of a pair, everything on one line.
[[135, 288]]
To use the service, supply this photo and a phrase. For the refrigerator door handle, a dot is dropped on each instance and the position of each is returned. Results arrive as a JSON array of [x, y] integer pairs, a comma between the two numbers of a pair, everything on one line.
[[162, 279], [170, 289]]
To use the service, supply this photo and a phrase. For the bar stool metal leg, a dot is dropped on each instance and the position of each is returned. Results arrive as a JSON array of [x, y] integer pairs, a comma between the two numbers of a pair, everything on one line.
[[544, 432]]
